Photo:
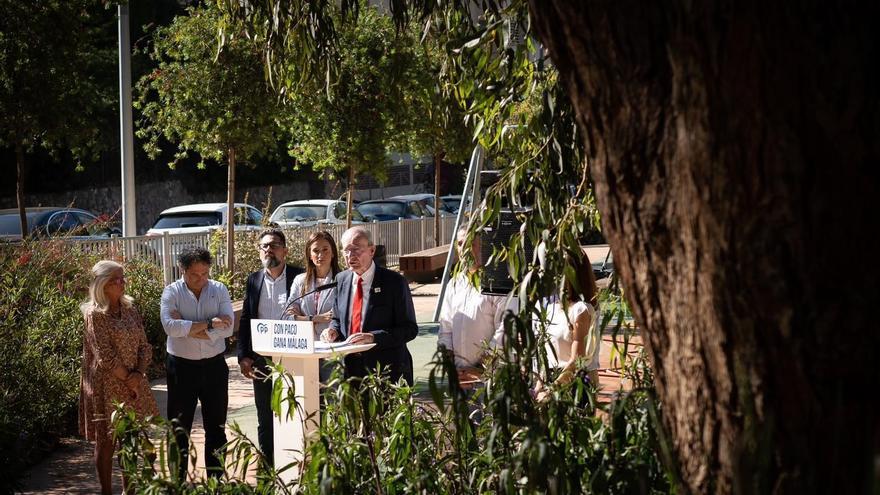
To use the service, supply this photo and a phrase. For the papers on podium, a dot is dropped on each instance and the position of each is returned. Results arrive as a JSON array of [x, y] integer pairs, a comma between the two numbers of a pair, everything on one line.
[[321, 346]]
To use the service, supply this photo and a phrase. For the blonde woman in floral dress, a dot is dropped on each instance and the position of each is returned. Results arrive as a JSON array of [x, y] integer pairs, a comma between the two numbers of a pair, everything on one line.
[[116, 355]]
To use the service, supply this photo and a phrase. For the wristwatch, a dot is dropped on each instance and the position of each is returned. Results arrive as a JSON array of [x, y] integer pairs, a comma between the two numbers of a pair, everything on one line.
[[210, 324]]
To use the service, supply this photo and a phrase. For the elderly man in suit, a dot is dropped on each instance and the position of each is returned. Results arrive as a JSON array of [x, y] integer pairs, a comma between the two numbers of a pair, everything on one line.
[[265, 298], [373, 305]]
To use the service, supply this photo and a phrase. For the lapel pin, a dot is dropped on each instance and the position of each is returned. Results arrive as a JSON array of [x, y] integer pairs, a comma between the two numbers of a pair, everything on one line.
[[377, 290]]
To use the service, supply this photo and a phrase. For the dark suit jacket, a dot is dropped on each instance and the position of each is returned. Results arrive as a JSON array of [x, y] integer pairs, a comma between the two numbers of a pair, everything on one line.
[[391, 319], [249, 311]]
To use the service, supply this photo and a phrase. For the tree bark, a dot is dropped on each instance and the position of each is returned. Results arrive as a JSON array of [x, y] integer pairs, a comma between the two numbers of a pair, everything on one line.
[[19, 189], [230, 210], [731, 146]]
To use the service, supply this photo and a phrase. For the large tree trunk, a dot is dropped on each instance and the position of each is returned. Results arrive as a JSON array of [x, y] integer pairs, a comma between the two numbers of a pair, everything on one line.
[[731, 146], [19, 189], [230, 210]]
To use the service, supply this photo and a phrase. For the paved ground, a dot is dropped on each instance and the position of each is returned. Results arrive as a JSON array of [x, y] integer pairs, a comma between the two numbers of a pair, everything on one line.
[[70, 469]]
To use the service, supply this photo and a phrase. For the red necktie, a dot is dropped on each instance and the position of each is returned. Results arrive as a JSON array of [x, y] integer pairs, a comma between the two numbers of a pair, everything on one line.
[[356, 307]]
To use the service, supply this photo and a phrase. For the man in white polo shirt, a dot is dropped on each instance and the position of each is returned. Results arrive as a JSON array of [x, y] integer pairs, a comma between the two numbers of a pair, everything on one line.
[[197, 315]]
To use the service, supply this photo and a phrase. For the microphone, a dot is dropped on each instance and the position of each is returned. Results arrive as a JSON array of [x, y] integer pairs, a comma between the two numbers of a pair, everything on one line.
[[319, 288]]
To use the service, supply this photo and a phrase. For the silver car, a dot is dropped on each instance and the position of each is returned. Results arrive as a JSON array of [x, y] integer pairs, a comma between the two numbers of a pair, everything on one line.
[[308, 212]]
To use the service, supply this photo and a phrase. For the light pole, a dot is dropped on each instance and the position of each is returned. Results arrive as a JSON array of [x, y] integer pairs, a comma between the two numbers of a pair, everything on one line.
[[126, 138]]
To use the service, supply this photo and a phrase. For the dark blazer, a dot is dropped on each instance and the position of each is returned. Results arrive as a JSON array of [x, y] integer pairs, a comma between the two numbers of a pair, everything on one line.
[[249, 311], [391, 319]]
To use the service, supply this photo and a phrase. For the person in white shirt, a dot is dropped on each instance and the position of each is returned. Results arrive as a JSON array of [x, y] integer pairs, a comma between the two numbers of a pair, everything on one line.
[[470, 322], [573, 332], [196, 313]]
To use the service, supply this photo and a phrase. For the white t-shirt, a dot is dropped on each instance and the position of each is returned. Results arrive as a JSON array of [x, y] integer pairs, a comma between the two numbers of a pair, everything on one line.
[[559, 332]]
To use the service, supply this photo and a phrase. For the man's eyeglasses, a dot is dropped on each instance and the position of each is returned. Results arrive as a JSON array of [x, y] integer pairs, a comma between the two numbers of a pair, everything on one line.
[[265, 246], [354, 250]]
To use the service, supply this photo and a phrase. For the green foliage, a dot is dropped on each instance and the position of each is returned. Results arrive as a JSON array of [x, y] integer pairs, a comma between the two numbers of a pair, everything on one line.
[[377, 437], [53, 66], [41, 346], [437, 123], [352, 121], [144, 284], [206, 99]]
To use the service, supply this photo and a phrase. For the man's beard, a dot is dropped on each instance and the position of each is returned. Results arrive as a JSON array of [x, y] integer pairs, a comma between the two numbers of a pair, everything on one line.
[[271, 262]]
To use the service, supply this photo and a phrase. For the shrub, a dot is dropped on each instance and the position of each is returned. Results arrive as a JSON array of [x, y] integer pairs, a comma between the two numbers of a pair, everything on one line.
[[381, 438]]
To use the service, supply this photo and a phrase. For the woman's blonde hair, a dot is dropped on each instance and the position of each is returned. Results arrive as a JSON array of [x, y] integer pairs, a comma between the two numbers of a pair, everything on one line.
[[103, 272]]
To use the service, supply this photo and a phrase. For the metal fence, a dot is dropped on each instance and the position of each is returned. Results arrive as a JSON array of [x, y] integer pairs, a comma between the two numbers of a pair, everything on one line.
[[399, 237]]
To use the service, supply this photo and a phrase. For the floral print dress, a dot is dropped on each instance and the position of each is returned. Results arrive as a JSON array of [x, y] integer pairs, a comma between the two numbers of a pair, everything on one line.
[[110, 341]]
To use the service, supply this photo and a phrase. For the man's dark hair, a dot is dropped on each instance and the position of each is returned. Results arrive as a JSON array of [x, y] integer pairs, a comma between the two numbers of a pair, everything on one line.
[[275, 232], [192, 255]]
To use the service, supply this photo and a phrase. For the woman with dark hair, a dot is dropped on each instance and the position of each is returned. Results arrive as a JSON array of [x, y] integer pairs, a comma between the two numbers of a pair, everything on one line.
[[116, 355], [322, 265], [572, 327]]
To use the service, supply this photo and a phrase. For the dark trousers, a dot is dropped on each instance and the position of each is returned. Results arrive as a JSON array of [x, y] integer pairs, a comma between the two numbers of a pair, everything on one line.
[[189, 382], [263, 401]]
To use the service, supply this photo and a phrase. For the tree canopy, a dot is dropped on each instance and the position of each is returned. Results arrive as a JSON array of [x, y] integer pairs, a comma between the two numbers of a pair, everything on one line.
[[209, 98], [351, 121], [205, 99], [54, 72]]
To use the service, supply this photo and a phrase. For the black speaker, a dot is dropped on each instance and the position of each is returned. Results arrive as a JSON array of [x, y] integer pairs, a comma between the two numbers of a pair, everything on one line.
[[496, 278], [521, 199]]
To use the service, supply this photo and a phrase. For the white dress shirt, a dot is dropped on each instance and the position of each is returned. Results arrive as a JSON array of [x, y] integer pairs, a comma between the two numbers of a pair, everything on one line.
[[469, 321], [367, 278], [273, 296], [213, 302]]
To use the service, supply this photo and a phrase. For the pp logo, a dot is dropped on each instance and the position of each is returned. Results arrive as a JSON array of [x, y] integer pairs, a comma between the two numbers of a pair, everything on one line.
[[262, 328]]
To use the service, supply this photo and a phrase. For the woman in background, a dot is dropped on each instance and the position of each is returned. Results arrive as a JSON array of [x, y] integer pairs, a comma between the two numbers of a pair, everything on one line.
[[573, 330], [116, 355]]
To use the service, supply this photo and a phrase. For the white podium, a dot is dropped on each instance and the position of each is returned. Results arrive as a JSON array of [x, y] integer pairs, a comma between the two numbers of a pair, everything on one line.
[[292, 345]]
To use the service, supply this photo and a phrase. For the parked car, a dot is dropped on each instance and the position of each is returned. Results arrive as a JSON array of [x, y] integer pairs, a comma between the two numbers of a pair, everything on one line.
[[453, 202], [308, 212], [392, 209], [427, 200], [205, 217], [48, 221]]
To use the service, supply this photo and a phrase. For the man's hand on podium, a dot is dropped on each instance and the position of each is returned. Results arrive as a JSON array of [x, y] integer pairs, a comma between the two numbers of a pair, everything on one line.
[[361, 338], [329, 335]]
